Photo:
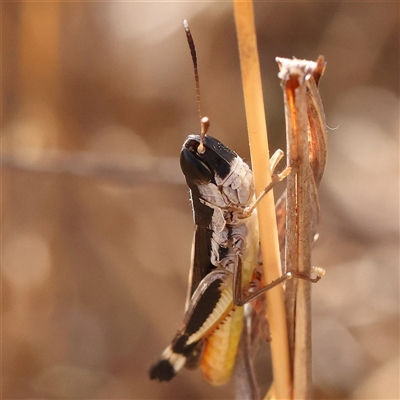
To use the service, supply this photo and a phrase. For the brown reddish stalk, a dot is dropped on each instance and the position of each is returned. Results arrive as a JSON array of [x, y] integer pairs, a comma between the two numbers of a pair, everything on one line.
[[307, 155]]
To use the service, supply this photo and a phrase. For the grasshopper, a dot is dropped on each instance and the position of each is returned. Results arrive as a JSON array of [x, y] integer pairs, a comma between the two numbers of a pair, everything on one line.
[[225, 253]]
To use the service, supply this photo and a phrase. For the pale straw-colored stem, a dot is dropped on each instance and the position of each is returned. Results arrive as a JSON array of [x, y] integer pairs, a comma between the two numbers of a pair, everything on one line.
[[257, 131]]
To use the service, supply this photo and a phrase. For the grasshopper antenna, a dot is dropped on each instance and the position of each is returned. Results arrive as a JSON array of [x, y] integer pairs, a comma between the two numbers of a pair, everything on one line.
[[204, 121]]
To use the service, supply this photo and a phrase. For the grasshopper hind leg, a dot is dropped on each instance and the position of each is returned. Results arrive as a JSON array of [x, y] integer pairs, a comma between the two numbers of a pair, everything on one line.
[[171, 361], [163, 371], [210, 304]]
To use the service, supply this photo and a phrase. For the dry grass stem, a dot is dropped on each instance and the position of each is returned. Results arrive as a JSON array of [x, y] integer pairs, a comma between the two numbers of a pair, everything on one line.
[[257, 131]]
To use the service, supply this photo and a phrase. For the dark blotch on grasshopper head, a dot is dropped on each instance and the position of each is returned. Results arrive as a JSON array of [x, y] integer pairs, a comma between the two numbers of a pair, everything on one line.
[[201, 168], [195, 170]]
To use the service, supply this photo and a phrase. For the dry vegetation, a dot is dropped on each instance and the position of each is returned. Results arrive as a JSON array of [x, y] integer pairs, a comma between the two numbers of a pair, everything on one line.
[[96, 224]]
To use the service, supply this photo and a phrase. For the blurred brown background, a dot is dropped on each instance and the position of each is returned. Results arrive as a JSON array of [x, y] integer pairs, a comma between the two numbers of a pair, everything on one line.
[[97, 99]]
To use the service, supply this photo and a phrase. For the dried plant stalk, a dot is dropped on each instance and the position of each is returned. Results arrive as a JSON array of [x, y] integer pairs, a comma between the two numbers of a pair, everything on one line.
[[307, 155], [316, 142], [257, 131]]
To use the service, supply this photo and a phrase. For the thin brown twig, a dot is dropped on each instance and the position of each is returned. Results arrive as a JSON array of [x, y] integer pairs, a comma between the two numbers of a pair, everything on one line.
[[111, 167]]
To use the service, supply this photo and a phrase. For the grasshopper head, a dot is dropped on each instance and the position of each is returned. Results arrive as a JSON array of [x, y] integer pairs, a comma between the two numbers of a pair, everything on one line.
[[217, 176], [203, 167]]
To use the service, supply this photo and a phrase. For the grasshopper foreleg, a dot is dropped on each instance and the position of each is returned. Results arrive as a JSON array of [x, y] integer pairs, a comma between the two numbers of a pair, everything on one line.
[[275, 178]]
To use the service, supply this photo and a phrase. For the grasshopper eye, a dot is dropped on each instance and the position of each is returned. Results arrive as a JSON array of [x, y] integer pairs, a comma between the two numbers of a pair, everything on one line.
[[195, 171]]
